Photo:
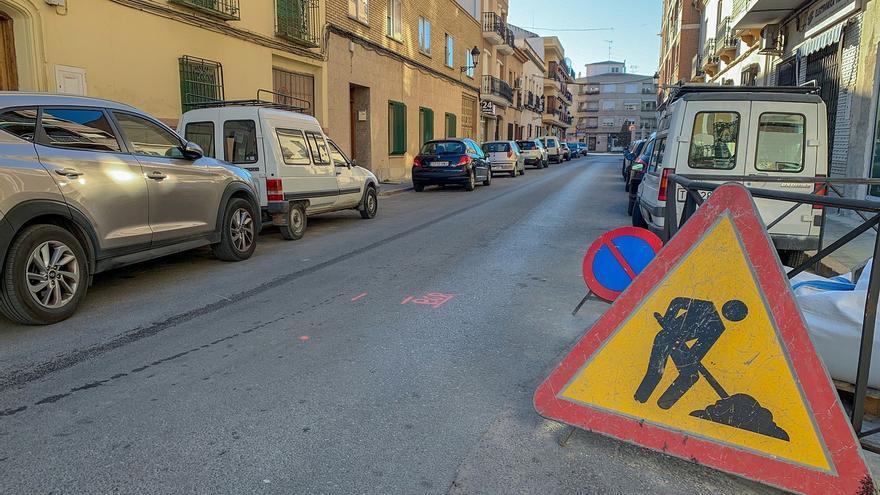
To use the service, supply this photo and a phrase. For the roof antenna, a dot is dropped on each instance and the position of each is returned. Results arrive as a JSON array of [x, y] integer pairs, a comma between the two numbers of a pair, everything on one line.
[[609, 48]]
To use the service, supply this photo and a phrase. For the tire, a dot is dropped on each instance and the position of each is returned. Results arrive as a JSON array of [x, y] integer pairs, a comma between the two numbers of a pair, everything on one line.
[[472, 181], [238, 237], [638, 220], [418, 187], [488, 180], [515, 172], [792, 259], [297, 221], [21, 298], [370, 204]]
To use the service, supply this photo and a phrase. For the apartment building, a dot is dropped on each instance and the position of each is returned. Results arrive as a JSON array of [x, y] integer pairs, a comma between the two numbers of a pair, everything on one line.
[[399, 74], [610, 103], [165, 55], [679, 41], [497, 110], [532, 87], [558, 98]]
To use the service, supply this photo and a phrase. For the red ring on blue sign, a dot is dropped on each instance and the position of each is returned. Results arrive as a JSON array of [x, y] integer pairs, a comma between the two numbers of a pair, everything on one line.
[[616, 258]]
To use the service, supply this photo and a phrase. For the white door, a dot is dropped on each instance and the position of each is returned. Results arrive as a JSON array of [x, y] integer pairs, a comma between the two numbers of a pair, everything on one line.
[[70, 80], [784, 142], [350, 185]]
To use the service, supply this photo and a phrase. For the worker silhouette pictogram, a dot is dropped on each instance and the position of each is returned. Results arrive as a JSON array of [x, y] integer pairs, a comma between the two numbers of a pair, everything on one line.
[[688, 331]]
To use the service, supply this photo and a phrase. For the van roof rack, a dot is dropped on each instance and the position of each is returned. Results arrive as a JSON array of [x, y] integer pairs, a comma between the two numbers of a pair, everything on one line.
[[279, 101], [678, 91]]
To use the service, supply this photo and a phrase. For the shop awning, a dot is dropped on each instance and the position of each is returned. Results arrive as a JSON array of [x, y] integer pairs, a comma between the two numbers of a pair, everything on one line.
[[820, 41]]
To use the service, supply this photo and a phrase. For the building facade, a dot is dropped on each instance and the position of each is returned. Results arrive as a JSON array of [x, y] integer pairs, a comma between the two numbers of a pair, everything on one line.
[[614, 107], [558, 98], [497, 109], [532, 88], [679, 41], [187, 51], [399, 74]]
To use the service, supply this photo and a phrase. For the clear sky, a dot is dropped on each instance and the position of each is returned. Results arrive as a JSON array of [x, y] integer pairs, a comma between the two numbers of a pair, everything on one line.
[[635, 22]]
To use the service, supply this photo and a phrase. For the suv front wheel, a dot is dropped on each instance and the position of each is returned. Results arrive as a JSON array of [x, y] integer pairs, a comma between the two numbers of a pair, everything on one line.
[[45, 277]]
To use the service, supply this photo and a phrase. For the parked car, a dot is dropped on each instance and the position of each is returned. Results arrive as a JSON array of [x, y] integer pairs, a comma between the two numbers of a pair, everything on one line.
[[533, 152], [747, 133], [636, 171], [577, 149], [566, 151], [582, 148], [505, 156], [554, 150], [451, 161], [298, 170], [87, 185], [632, 152]]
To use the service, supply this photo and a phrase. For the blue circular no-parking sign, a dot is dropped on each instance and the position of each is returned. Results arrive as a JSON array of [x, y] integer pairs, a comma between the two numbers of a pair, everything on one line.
[[616, 258]]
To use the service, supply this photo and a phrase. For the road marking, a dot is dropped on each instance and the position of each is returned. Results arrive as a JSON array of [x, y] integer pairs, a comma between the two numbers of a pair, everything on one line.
[[359, 296]]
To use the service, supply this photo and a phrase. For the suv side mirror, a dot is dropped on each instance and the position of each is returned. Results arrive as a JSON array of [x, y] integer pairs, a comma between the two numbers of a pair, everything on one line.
[[192, 151]]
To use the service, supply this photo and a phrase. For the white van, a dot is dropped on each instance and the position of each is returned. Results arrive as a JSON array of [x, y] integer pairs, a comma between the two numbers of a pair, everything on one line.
[[746, 131], [298, 170], [554, 150]]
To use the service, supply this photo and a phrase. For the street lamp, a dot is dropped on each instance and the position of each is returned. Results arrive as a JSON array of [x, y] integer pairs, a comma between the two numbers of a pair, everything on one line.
[[475, 53]]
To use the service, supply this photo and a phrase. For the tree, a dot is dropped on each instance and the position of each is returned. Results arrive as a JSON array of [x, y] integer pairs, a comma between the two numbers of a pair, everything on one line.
[[624, 136]]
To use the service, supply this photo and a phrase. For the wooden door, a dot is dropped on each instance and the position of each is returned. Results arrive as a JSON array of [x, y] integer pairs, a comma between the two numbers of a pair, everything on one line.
[[8, 67]]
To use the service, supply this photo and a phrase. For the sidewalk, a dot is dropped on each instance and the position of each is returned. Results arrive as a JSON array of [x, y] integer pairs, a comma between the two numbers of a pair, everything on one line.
[[392, 188], [852, 254]]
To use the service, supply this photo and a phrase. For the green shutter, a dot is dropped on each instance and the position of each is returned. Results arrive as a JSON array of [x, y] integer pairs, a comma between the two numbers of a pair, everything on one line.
[[426, 124], [451, 125], [396, 128]]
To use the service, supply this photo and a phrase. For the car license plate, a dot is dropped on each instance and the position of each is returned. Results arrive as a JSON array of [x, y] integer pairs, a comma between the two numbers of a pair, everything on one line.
[[439, 164], [682, 194]]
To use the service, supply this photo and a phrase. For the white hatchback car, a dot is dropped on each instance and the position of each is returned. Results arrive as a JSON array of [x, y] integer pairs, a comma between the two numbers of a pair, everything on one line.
[[505, 156]]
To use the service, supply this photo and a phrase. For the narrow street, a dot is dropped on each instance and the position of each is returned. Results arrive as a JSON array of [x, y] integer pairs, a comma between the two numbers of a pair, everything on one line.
[[310, 369]]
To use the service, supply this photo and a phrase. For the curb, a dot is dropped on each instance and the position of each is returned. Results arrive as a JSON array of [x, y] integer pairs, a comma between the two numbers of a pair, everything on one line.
[[393, 192]]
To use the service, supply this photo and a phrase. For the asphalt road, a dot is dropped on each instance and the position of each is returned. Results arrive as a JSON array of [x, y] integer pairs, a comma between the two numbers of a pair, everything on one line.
[[303, 370]]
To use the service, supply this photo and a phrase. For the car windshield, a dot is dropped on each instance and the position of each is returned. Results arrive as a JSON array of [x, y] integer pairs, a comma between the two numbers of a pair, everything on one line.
[[496, 147], [526, 145], [443, 148]]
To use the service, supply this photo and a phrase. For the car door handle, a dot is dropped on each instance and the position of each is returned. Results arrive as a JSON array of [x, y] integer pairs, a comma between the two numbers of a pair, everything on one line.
[[68, 172], [156, 175]]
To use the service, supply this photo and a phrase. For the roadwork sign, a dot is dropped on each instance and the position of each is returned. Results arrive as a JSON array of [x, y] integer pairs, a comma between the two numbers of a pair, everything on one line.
[[706, 357], [615, 259]]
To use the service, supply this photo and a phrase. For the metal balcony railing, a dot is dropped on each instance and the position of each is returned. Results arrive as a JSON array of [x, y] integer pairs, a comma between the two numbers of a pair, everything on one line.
[[724, 38], [297, 20], [223, 9], [493, 22], [494, 86], [709, 56]]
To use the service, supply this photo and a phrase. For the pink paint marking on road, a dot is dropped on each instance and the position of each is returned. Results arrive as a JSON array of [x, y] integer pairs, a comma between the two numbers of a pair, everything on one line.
[[303, 338], [433, 299], [407, 299], [359, 296]]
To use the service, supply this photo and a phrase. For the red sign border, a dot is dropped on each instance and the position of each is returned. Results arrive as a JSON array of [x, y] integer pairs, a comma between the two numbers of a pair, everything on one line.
[[587, 267], [852, 475]]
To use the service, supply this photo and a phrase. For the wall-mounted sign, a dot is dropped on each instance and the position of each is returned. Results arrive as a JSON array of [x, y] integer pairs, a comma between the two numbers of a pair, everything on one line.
[[487, 107], [824, 13]]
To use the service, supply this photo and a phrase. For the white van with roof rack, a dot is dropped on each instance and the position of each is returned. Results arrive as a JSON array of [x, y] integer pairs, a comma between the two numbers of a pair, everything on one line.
[[746, 133], [299, 171]]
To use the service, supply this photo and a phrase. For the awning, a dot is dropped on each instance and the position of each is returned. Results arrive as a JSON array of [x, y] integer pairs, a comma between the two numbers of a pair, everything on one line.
[[819, 42]]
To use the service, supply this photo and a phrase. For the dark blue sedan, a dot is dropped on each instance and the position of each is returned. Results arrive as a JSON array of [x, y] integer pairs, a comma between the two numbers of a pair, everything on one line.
[[451, 161]]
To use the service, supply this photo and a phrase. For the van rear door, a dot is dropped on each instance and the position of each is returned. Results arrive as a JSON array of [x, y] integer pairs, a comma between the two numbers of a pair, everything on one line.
[[778, 148]]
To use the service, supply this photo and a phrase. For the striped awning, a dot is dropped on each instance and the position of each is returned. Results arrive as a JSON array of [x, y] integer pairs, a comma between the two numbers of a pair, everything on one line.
[[820, 41]]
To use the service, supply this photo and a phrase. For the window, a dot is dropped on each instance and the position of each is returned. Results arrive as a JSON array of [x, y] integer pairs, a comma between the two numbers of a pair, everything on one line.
[[500, 147], [294, 150], [443, 148], [713, 140], [749, 76], [148, 138], [592, 122], [337, 156], [632, 88], [240, 141], [359, 9], [78, 128], [396, 128], [294, 89], [631, 105], [21, 122], [393, 20], [426, 125], [649, 105], [318, 147], [201, 81], [608, 88], [201, 133], [609, 104], [297, 20], [469, 57], [451, 125], [607, 122], [450, 50], [781, 141], [424, 36], [615, 69], [657, 160]]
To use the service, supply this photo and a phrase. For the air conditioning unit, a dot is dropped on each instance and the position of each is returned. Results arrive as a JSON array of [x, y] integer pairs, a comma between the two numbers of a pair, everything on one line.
[[772, 40]]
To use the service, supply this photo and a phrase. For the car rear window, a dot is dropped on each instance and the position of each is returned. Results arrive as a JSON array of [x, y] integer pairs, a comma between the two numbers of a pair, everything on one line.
[[713, 140], [781, 140], [496, 147], [526, 145], [443, 148], [20, 122]]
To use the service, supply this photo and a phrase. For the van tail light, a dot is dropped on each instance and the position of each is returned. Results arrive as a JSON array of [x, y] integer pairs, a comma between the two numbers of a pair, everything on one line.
[[417, 162], [820, 190], [464, 161], [664, 182], [509, 153], [274, 190]]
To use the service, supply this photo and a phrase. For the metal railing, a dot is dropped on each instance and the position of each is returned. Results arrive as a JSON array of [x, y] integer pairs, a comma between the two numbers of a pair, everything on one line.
[[509, 37], [697, 66], [869, 211], [494, 86], [297, 20], [224, 9], [492, 23], [709, 55], [724, 38]]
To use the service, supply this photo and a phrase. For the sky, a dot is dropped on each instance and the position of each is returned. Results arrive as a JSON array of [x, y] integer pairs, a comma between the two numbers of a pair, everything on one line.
[[635, 26]]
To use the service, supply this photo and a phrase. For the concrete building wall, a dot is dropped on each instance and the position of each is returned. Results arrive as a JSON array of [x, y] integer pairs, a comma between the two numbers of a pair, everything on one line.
[[605, 102]]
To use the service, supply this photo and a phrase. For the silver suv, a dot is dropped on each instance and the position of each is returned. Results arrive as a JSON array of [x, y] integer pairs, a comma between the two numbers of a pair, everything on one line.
[[87, 185]]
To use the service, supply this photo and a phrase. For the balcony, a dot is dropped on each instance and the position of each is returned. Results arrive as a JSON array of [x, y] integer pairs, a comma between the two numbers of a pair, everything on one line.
[[710, 59], [533, 102], [506, 48], [592, 109], [697, 74], [222, 9], [297, 21], [755, 14], [566, 96], [557, 118], [726, 43], [590, 91], [496, 91], [494, 29]]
